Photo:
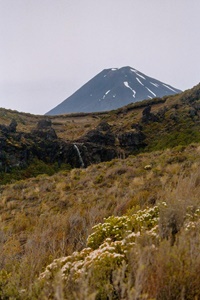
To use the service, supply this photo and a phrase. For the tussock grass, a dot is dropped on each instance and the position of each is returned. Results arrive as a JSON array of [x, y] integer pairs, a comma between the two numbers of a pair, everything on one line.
[[48, 217]]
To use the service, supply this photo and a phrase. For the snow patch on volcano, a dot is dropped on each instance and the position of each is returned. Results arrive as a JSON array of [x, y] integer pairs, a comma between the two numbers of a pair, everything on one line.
[[128, 86]]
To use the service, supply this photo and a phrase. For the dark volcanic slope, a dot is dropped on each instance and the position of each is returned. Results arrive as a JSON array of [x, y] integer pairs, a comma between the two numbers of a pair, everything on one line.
[[111, 89]]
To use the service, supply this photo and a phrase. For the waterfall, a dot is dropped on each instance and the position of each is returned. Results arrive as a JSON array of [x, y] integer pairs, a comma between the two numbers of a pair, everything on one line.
[[79, 156]]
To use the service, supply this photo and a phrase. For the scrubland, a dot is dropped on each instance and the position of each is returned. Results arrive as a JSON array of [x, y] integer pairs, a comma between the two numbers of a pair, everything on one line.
[[129, 228]]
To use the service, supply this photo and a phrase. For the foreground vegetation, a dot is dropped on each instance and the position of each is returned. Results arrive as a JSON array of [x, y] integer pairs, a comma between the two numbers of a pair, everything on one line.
[[127, 258], [148, 249]]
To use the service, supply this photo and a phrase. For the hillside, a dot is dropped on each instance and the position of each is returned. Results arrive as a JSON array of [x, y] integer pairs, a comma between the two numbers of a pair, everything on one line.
[[50, 217], [111, 89], [31, 145], [123, 226]]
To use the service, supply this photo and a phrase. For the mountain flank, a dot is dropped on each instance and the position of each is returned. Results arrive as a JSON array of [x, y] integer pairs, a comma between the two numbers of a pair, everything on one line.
[[112, 89]]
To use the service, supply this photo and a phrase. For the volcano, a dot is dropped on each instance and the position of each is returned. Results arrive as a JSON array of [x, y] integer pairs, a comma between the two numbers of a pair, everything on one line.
[[112, 89]]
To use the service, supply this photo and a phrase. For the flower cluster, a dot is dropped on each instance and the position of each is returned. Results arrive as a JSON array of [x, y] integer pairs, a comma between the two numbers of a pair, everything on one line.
[[118, 228], [192, 218], [107, 246], [146, 219]]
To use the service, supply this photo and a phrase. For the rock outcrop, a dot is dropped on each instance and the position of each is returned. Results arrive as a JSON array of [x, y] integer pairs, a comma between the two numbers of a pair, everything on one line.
[[44, 130], [19, 149], [102, 135], [132, 140], [11, 128], [147, 116]]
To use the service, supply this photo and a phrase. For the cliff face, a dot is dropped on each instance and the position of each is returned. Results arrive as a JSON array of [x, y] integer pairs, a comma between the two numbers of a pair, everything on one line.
[[18, 149]]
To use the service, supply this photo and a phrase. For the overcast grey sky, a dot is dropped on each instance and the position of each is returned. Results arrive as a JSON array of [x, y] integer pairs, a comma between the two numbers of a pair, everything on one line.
[[50, 48]]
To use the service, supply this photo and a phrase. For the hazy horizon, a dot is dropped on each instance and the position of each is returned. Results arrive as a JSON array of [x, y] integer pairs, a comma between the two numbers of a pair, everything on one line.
[[50, 48]]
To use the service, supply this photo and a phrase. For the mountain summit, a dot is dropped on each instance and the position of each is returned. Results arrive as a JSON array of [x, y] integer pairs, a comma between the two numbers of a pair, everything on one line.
[[111, 89]]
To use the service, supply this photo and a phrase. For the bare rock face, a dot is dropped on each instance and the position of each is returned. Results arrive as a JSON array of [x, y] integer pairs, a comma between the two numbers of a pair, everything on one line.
[[44, 130], [18, 150], [100, 136], [44, 124], [91, 153], [132, 139], [103, 126], [147, 116], [10, 128], [13, 126], [97, 145]]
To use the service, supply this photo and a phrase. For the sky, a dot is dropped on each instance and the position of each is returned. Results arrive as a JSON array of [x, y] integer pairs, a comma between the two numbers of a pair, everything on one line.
[[50, 48]]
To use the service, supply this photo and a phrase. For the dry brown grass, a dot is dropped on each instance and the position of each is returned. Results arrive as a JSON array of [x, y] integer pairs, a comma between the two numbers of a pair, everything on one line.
[[47, 217]]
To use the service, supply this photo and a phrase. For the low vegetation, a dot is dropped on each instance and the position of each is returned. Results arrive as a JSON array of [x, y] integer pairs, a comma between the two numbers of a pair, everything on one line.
[[150, 202]]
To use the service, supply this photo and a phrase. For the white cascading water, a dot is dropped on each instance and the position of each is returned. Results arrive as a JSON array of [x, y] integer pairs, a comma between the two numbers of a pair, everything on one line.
[[79, 155]]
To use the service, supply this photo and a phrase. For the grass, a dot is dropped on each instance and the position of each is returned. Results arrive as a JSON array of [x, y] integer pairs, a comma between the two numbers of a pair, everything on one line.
[[57, 212]]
